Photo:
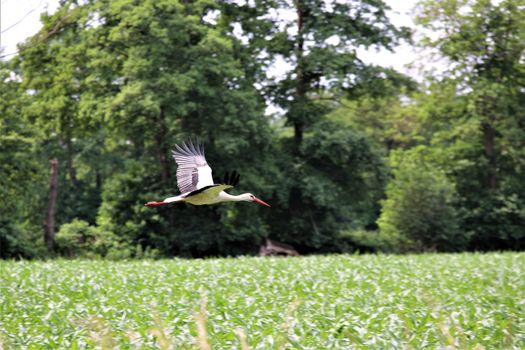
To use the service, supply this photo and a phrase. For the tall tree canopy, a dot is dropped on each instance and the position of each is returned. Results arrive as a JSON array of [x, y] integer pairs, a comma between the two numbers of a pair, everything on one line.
[[484, 42], [358, 156], [318, 42]]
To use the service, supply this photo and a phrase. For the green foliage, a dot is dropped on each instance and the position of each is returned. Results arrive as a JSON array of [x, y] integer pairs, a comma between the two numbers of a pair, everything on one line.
[[386, 121], [367, 241], [108, 87], [432, 301], [123, 212], [21, 175], [483, 40], [78, 239], [320, 48], [497, 222], [160, 99], [419, 212], [177, 229], [329, 200], [21, 240]]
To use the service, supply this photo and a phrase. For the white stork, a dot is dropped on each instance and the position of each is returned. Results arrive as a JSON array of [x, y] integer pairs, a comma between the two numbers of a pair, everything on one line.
[[196, 183]]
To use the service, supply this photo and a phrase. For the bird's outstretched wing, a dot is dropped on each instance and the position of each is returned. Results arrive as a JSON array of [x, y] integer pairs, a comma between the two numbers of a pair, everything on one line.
[[193, 172]]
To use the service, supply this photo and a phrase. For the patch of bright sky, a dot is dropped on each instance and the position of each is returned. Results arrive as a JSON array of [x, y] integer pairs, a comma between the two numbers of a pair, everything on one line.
[[20, 19], [404, 54], [404, 57]]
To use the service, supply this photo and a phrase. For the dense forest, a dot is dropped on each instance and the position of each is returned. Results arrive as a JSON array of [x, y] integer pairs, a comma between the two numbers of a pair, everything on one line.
[[357, 157]]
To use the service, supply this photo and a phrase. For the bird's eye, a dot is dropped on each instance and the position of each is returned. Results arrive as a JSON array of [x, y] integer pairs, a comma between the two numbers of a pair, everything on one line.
[[252, 196]]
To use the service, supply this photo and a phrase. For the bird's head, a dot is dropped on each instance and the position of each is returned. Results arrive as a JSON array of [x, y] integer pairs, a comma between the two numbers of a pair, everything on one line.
[[248, 197]]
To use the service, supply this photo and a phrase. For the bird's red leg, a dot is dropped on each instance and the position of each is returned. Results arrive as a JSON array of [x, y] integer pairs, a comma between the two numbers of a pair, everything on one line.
[[155, 204]]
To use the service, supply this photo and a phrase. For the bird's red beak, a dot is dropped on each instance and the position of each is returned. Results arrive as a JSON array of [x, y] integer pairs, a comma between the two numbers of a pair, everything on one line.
[[261, 202]]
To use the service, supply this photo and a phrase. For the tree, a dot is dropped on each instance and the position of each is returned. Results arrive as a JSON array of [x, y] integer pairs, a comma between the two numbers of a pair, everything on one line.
[[168, 74], [53, 68], [484, 43], [318, 41], [340, 186], [22, 180], [78, 239], [420, 212], [49, 221]]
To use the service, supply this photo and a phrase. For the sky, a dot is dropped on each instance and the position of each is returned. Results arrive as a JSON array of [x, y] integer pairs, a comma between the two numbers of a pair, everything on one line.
[[21, 19]]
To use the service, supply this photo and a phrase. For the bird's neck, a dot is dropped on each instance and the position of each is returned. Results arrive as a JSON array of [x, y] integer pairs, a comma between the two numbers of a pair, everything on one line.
[[225, 197]]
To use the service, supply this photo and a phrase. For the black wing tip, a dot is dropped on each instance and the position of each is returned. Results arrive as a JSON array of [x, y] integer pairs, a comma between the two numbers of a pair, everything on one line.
[[232, 179], [191, 146]]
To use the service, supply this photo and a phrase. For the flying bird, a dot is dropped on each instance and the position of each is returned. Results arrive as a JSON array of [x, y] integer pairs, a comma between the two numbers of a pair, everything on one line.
[[195, 181]]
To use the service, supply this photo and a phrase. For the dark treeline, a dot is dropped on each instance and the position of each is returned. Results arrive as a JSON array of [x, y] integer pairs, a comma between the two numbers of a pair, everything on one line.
[[362, 157]]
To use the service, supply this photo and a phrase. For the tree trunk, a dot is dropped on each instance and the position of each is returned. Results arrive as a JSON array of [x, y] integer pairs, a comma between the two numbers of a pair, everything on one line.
[[70, 167], [300, 91], [98, 180], [298, 134], [162, 156], [162, 149], [49, 221], [489, 152], [297, 116]]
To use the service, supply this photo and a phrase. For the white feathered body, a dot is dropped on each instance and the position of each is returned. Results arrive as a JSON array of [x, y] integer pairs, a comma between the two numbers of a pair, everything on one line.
[[212, 195], [195, 181]]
